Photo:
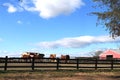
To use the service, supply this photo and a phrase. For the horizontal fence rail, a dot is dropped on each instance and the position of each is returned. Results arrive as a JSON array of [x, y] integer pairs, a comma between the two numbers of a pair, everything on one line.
[[57, 64]]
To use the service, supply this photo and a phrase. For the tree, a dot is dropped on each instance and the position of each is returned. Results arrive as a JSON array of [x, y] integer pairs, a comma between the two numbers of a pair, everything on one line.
[[96, 53], [109, 15]]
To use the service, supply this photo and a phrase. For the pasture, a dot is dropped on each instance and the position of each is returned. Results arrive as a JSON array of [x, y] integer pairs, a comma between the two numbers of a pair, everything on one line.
[[60, 75], [73, 69]]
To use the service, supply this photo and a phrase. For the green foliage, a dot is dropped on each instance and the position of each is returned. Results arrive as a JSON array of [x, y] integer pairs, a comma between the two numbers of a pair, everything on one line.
[[109, 16]]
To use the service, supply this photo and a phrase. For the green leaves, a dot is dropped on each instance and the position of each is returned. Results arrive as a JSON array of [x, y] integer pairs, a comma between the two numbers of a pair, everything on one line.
[[110, 17]]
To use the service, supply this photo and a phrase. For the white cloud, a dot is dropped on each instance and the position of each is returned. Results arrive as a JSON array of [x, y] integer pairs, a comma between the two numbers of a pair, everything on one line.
[[11, 8], [52, 8], [19, 22], [9, 54], [47, 8], [77, 42]]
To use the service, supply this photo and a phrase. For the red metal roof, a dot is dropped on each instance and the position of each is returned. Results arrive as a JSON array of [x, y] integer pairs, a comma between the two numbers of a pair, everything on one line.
[[109, 52]]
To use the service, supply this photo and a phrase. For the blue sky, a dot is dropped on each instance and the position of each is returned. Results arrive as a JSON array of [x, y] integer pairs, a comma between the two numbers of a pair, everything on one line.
[[51, 26]]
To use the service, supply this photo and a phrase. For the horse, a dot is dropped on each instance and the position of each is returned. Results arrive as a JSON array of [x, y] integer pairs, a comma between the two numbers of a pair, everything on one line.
[[30, 55], [65, 58], [52, 57]]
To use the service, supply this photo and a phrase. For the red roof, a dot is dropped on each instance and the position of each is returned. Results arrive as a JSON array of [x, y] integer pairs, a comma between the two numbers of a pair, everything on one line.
[[109, 52]]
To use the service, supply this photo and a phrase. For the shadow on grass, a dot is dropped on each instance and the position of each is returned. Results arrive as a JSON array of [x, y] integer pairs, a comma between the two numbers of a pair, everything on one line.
[[62, 70], [117, 77]]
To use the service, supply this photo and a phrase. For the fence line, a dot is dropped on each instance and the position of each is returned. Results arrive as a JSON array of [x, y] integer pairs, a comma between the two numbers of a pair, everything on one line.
[[7, 63]]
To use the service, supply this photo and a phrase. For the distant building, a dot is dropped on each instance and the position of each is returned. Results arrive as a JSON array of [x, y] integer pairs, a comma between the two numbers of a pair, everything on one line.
[[110, 54]]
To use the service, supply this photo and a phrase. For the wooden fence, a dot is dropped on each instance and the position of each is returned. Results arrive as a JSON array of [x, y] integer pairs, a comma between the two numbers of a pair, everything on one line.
[[57, 64]]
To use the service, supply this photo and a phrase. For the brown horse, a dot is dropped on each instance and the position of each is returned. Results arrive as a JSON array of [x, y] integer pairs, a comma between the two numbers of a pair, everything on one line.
[[53, 57], [65, 58]]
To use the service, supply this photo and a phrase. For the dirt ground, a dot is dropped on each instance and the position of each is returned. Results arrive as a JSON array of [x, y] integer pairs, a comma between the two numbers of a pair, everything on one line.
[[59, 75]]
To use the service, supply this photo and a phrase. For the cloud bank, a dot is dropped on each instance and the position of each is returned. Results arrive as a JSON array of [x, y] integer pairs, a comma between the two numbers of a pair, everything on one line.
[[9, 54], [77, 42], [47, 8]]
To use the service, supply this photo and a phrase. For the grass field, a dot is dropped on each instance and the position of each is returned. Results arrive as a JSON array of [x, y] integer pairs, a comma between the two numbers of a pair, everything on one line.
[[60, 75], [49, 71]]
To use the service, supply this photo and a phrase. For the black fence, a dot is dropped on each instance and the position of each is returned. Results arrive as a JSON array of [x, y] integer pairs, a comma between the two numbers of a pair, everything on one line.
[[57, 64]]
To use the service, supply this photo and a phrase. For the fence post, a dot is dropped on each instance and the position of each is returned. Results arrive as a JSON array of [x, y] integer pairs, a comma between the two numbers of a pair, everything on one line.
[[6, 61], [33, 61], [57, 63], [96, 62], [112, 64], [77, 64]]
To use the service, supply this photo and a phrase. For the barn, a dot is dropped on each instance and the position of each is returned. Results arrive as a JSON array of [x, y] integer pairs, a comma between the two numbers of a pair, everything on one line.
[[109, 54]]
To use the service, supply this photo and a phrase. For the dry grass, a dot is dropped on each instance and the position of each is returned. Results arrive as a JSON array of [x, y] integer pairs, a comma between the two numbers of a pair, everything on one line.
[[59, 75]]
